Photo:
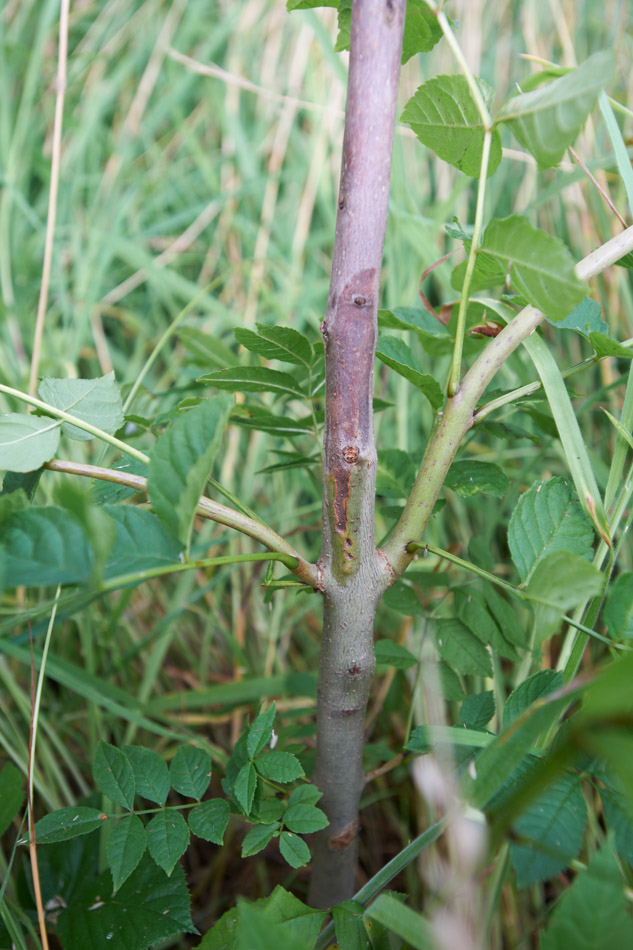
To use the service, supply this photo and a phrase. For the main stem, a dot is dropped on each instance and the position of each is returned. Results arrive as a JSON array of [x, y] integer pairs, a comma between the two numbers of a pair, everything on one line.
[[352, 574]]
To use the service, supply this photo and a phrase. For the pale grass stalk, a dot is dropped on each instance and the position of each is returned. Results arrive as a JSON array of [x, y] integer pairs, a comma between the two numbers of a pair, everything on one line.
[[36, 697], [52, 194]]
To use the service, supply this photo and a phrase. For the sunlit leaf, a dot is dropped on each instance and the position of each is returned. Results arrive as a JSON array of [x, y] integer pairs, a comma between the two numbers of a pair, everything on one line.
[[96, 401], [26, 442]]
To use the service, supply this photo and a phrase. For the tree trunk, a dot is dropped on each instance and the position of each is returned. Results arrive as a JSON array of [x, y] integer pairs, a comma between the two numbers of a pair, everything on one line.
[[353, 574]]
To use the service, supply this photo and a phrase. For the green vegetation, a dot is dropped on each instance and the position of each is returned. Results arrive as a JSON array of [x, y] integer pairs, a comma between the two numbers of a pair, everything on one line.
[[161, 506]]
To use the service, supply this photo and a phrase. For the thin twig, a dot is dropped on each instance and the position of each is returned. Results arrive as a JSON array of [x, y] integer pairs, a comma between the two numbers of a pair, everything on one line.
[[52, 194], [597, 186]]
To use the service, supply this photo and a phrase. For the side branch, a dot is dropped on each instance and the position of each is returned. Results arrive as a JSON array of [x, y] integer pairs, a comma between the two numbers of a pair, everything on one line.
[[458, 415], [207, 508]]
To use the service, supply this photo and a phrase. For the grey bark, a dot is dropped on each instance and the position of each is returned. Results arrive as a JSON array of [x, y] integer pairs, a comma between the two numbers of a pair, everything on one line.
[[353, 575]]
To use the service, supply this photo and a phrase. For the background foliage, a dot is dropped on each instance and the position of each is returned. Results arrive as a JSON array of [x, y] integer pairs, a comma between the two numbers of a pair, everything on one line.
[[178, 186]]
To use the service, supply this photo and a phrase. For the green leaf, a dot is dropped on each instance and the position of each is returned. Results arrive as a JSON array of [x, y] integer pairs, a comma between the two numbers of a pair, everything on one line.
[[113, 774], [618, 816], [563, 580], [551, 832], [395, 473], [167, 838], [548, 120], [293, 849], [66, 823], [277, 343], [209, 820], [260, 733], [398, 356], [444, 116], [190, 771], [547, 518], [281, 767], [461, 648], [618, 611], [585, 318], [254, 417], [403, 598], [349, 927], [304, 819], [148, 908], [11, 795], [472, 610], [433, 335], [181, 463], [125, 848], [151, 775], [390, 653], [496, 763], [245, 785], [421, 30], [538, 266], [26, 442], [527, 692], [205, 349], [258, 837], [605, 346], [96, 401], [109, 492], [305, 795], [287, 912], [593, 911], [140, 543], [477, 710], [254, 379], [505, 615], [397, 917], [469, 478]]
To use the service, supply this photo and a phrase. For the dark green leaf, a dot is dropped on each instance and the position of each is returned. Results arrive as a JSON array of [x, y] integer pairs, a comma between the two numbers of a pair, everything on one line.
[[395, 916], [260, 733], [113, 774], [140, 544], [477, 710], [304, 819], [205, 350], [505, 615], [404, 599], [305, 795], [209, 820], [279, 767], [605, 346], [277, 343], [245, 785], [349, 927], [11, 795], [190, 771], [181, 463], [258, 837], [66, 823], [434, 336], [469, 478], [548, 120], [421, 29], [254, 379], [125, 848], [109, 492], [151, 775], [585, 318], [390, 653], [167, 838], [398, 356], [471, 609], [593, 911], [618, 816], [618, 611], [551, 832], [96, 401], [148, 908], [253, 417], [527, 692], [461, 648], [293, 849], [26, 442], [444, 116], [547, 518], [538, 266], [395, 473]]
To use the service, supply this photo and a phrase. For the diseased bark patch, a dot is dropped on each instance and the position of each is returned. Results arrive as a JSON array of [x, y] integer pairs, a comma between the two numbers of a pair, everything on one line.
[[345, 838]]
